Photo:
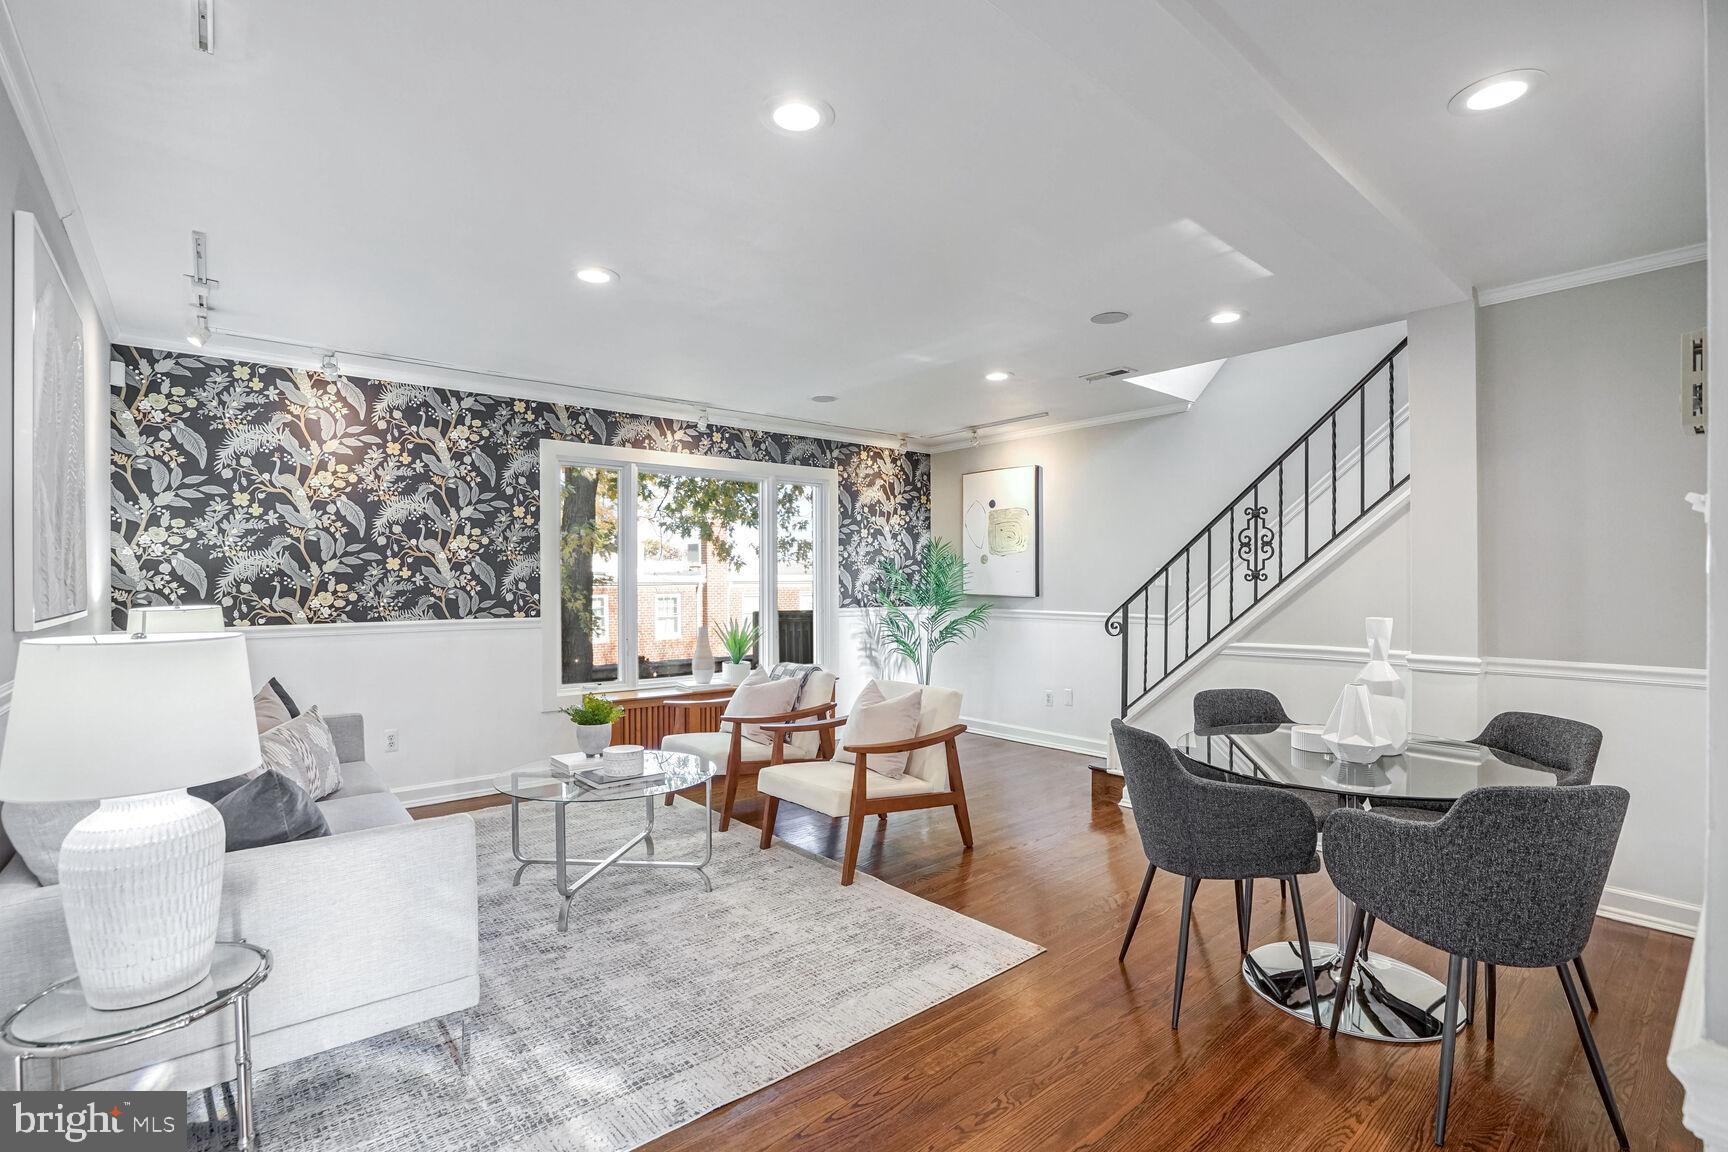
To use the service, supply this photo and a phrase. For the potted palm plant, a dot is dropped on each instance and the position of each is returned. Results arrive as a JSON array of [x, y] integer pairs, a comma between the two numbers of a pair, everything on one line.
[[921, 608], [738, 638], [593, 719]]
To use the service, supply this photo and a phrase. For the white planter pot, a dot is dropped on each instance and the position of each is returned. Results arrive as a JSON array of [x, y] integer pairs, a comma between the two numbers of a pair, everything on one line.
[[734, 673], [592, 739]]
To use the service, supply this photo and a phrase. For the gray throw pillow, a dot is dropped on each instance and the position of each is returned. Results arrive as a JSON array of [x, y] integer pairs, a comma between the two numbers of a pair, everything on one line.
[[269, 809], [38, 830], [214, 791]]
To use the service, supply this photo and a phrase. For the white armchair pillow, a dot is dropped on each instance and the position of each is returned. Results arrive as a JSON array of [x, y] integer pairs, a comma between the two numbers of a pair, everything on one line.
[[761, 698], [877, 720]]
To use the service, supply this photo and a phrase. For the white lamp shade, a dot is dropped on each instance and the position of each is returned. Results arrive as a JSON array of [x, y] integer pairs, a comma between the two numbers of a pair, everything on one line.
[[96, 717], [153, 619]]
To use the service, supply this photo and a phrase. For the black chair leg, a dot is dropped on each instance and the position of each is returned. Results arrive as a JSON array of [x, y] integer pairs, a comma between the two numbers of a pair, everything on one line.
[[1307, 954], [1368, 935], [1589, 1041], [1448, 1042], [1188, 887], [1244, 912], [1283, 891], [1352, 942], [1584, 982], [1134, 920], [1492, 979], [1470, 990]]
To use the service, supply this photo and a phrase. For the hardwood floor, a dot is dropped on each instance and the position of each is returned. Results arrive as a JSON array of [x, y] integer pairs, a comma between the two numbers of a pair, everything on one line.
[[1070, 1050]]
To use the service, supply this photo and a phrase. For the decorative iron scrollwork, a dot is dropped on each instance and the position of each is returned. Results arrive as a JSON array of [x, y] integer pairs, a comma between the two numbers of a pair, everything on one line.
[[1254, 541]]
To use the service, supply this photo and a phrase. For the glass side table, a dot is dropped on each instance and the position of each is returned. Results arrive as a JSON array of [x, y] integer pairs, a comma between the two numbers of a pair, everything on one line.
[[57, 1023]]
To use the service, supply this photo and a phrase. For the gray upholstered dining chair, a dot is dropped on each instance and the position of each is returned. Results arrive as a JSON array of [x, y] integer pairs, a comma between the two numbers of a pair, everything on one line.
[[1218, 710], [1567, 748], [1510, 876], [1203, 830]]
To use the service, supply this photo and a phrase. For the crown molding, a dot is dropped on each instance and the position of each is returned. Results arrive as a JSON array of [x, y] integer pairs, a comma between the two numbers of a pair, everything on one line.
[[382, 366], [20, 85], [1654, 262]]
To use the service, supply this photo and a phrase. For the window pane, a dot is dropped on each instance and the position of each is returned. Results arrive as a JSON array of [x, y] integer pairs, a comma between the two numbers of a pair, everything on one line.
[[795, 540], [698, 544], [588, 554]]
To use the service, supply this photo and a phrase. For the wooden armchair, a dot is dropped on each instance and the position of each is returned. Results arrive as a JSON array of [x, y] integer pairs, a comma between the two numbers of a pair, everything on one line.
[[734, 754], [845, 787]]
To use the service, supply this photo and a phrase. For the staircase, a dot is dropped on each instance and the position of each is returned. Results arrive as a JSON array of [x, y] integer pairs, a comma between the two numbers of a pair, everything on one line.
[[1349, 462]]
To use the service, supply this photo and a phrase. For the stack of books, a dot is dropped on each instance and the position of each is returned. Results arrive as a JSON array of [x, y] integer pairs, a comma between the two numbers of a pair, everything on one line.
[[590, 772]]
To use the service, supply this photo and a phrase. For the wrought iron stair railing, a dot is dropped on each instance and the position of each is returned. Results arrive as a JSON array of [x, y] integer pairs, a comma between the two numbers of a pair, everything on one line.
[[1313, 493]]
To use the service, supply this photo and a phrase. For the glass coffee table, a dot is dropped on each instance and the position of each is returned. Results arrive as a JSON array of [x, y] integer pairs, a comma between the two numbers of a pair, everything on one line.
[[538, 782]]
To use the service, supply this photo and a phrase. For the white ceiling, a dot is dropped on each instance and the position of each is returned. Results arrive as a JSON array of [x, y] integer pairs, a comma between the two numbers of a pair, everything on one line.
[[420, 181]]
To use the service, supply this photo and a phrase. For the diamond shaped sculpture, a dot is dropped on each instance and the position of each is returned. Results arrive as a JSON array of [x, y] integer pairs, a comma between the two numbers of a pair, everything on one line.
[[1372, 716]]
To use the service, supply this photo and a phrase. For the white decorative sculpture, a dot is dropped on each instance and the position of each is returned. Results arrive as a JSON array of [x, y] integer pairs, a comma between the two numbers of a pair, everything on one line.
[[1372, 716]]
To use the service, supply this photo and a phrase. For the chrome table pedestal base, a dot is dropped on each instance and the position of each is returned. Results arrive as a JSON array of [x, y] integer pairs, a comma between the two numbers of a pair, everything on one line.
[[1388, 1000], [562, 861]]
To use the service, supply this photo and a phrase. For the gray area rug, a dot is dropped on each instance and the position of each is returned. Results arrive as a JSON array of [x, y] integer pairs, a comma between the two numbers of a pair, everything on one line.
[[662, 1003]]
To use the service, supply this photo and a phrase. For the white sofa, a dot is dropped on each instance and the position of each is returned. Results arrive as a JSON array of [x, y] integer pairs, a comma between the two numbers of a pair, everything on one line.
[[372, 928]]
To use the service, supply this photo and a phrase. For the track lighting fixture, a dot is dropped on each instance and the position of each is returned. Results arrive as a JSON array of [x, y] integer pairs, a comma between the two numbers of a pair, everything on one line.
[[702, 419], [198, 328], [973, 440], [902, 442], [329, 367]]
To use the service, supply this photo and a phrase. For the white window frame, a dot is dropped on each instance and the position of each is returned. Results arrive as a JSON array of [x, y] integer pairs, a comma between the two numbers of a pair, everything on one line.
[[825, 561], [677, 602], [602, 617]]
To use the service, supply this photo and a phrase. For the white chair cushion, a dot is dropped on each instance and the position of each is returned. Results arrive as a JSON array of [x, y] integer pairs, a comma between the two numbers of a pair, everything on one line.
[[875, 719], [763, 698], [825, 786], [714, 747], [939, 708]]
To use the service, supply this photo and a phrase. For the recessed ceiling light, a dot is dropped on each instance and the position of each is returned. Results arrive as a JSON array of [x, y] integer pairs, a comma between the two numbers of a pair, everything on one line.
[[1225, 316], [596, 275], [996, 377], [1109, 317], [797, 115], [1496, 91], [823, 399]]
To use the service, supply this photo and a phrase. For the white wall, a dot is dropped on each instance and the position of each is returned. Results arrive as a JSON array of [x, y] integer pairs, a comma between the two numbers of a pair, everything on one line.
[[22, 188]]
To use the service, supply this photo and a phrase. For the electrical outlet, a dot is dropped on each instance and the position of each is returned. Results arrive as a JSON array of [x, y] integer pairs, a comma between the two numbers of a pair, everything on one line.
[[1049, 698], [392, 742], [1067, 697]]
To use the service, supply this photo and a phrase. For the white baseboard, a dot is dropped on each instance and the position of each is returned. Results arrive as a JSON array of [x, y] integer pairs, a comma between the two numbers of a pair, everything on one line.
[[1038, 737], [1648, 911], [444, 791]]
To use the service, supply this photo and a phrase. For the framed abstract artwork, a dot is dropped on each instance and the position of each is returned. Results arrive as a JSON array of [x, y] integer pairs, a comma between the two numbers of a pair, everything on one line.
[[1000, 527], [50, 577]]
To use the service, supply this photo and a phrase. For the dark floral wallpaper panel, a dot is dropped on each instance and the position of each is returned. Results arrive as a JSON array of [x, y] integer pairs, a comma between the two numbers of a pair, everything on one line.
[[292, 498]]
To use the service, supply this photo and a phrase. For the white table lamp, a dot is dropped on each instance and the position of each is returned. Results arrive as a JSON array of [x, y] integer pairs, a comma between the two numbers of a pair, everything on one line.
[[155, 619], [132, 723]]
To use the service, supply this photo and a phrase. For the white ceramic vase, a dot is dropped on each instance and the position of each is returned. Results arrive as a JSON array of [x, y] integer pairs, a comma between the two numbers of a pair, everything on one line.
[[702, 660], [1372, 716], [592, 739], [141, 884], [735, 673]]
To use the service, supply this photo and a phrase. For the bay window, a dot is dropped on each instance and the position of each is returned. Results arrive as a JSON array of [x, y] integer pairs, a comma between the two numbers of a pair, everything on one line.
[[642, 551]]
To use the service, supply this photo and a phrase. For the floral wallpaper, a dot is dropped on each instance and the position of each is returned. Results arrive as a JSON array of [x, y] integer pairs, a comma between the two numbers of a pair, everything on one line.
[[291, 498]]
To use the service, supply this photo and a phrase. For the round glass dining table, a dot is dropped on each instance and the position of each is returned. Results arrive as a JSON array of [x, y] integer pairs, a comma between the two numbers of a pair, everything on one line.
[[1388, 999]]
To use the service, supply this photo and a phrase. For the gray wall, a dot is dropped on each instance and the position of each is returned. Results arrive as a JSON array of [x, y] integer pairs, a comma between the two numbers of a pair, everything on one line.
[[22, 188], [1119, 499], [1588, 550]]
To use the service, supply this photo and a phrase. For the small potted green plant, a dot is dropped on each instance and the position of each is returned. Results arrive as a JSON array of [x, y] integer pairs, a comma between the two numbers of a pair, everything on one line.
[[738, 638], [593, 719]]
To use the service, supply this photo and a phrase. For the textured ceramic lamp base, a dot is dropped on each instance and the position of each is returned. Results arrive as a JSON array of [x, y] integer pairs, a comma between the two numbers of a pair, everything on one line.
[[141, 882]]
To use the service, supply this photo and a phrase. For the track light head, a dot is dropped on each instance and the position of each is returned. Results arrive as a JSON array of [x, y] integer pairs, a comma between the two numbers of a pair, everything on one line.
[[329, 367], [198, 331]]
